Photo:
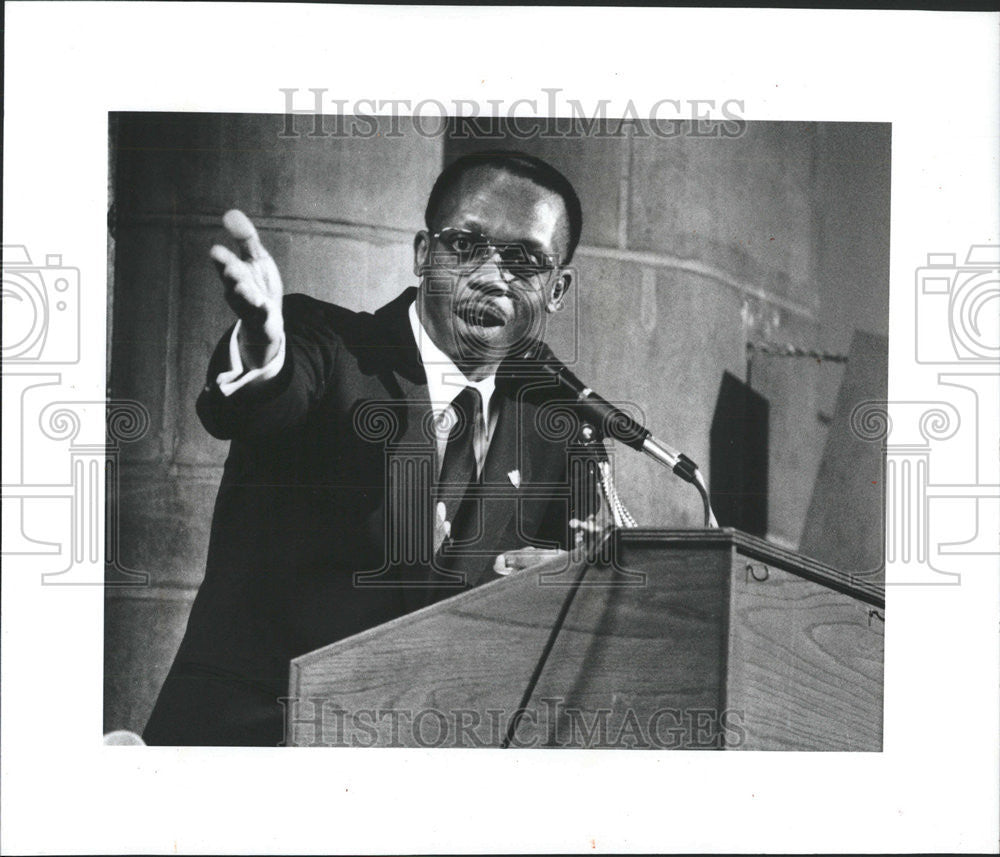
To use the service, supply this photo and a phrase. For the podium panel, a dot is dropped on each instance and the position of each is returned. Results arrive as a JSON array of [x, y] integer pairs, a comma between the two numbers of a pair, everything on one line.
[[675, 639]]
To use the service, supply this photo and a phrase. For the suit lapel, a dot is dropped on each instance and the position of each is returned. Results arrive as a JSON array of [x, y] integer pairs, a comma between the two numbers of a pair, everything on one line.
[[410, 452], [394, 335], [403, 376]]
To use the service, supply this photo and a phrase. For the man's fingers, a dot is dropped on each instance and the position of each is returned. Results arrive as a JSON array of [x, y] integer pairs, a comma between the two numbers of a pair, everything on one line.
[[239, 226], [252, 288], [232, 269], [222, 257], [523, 558], [242, 292]]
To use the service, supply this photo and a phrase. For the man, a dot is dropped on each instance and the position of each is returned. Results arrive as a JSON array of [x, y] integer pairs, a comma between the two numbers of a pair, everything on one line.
[[378, 461]]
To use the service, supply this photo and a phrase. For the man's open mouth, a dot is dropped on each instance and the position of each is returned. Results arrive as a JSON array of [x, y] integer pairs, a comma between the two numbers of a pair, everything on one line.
[[481, 314]]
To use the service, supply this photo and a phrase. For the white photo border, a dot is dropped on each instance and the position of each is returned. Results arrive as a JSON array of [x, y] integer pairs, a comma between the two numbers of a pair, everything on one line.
[[934, 787]]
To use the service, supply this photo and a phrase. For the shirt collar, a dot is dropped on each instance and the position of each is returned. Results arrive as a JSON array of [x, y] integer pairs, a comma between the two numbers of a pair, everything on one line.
[[444, 379]]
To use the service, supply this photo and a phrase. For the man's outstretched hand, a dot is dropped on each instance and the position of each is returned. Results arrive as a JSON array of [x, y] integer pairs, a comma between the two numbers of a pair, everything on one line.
[[252, 289]]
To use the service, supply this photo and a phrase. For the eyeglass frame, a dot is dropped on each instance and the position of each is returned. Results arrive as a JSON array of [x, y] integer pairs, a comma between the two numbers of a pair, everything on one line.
[[528, 272]]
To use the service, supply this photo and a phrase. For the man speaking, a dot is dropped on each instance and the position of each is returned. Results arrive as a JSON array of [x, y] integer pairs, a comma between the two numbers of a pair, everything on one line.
[[378, 462]]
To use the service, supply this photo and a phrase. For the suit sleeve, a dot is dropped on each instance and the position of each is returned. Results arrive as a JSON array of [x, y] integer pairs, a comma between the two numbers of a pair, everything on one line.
[[258, 411], [237, 376]]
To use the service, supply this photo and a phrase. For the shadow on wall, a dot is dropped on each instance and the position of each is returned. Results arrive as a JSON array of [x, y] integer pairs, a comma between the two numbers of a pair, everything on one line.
[[739, 442]]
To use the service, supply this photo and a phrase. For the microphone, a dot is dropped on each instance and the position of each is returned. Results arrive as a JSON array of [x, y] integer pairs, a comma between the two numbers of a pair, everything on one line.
[[618, 424]]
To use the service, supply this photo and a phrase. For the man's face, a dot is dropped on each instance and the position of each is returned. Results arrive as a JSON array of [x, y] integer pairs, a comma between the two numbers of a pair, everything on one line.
[[480, 305]]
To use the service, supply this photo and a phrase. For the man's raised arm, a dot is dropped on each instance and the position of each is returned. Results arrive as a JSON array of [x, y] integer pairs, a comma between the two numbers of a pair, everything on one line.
[[263, 377]]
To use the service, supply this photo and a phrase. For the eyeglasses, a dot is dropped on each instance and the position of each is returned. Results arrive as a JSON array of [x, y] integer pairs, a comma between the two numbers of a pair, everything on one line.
[[515, 258]]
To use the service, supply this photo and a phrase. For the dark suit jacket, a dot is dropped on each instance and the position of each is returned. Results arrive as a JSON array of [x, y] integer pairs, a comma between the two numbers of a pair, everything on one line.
[[322, 521]]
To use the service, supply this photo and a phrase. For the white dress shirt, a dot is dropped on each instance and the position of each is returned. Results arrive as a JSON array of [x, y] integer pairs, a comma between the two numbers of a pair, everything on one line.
[[444, 382]]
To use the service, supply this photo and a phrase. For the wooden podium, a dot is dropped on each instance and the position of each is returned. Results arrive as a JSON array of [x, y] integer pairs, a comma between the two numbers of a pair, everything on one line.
[[673, 639]]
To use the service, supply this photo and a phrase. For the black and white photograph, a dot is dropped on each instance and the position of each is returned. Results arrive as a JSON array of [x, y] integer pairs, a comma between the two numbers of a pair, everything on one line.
[[584, 445], [723, 284]]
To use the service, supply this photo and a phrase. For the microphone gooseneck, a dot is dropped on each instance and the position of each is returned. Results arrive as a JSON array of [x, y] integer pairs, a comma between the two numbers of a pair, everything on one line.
[[619, 425]]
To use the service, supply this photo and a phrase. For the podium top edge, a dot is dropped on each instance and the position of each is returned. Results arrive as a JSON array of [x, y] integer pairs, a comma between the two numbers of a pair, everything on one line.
[[754, 547], [723, 538]]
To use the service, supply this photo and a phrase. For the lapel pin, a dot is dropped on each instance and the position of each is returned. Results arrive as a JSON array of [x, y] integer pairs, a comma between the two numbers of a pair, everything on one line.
[[515, 478]]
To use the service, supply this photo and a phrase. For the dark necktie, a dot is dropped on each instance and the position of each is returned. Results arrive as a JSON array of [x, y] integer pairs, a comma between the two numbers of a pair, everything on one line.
[[458, 468]]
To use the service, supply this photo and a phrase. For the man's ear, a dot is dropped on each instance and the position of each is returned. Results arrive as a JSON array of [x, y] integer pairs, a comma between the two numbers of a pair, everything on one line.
[[559, 289], [421, 252]]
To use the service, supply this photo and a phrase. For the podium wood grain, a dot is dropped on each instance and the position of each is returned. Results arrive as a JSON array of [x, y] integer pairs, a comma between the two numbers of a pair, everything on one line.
[[685, 639], [805, 664]]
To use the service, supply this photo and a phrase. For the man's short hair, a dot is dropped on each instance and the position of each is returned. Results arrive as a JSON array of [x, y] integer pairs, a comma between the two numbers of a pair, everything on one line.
[[517, 164]]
